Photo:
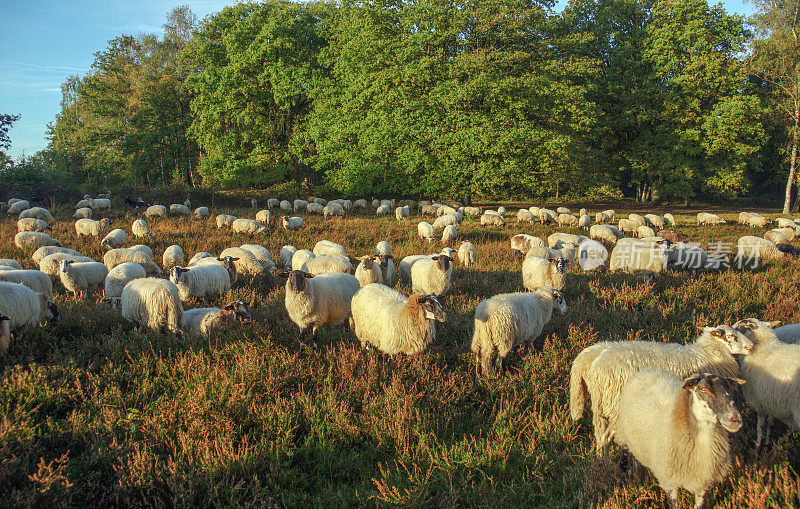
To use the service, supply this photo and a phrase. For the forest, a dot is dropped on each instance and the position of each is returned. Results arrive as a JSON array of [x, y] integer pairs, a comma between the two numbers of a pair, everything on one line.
[[651, 100]]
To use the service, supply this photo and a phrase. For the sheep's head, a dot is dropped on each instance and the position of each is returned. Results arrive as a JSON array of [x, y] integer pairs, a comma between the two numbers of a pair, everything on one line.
[[559, 303], [63, 265], [366, 261], [52, 312], [442, 261], [105, 223], [450, 252], [731, 338], [295, 279], [561, 265], [757, 330], [712, 400], [176, 272], [106, 244], [239, 310], [114, 302], [383, 260]]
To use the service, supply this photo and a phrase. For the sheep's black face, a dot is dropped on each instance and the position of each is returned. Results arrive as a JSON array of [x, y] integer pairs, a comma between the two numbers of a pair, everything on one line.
[[296, 279], [175, 273], [443, 262], [713, 400], [367, 262], [52, 312], [561, 265], [240, 311], [433, 308]]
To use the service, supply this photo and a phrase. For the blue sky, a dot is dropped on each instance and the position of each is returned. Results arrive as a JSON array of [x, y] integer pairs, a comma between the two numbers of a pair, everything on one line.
[[42, 42]]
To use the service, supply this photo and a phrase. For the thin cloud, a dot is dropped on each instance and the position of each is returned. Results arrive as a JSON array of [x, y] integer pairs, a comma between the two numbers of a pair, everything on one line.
[[42, 67]]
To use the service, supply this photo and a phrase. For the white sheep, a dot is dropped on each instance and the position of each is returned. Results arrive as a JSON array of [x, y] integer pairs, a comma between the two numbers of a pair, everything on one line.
[[628, 226], [329, 248], [292, 223], [467, 254], [754, 220], [510, 319], [246, 264], [601, 218], [679, 429], [173, 255], [316, 208], [153, 303], [524, 215], [368, 271], [36, 280], [50, 264], [261, 254], [179, 209], [115, 238], [18, 206], [263, 216], [201, 321], [543, 252], [639, 256], [669, 220], [199, 256], [90, 227], [100, 203], [31, 224], [154, 211], [84, 203], [225, 220], [332, 209], [9, 262], [140, 229], [426, 231], [25, 308], [388, 272], [754, 249], [120, 276], [604, 233], [644, 232], [777, 237], [83, 212], [567, 220], [602, 382], [557, 240], [563, 210], [114, 257], [300, 257], [392, 322], [522, 243], [82, 277], [146, 250], [287, 252], [201, 213], [492, 219], [200, 281], [248, 226], [313, 300], [34, 240], [299, 205], [360, 204], [584, 221], [537, 271], [273, 203], [383, 210], [449, 234], [638, 219], [432, 275], [654, 221], [704, 218], [37, 213], [401, 213], [327, 263], [285, 205]]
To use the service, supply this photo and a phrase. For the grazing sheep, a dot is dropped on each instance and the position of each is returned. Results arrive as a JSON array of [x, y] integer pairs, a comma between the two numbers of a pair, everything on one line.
[[711, 352], [449, 234], [84, 203], [401, 213], [327, 263], [36, 280], [790, 233], [115, 238], [273, 203], [489, 219], [300, 257], [154, 211], [34, 240], [179, 209], [690, 256], [90, 227], [286, 206], [428, 210], [332, 209], [248, 226], [537, 271], [246, 263], [299, 205], [445, 210], [202, 213], [25, 308], [173, 255], [639, 257], [120, 276], [601, 218], [368, 271], [225, 220], [644, 232], [543, 252], [360, 204], [326, 247], [636, 218], [628, 226], [153, 303], [100, 203], [781, 222], [140, 229], [604, 233], [474, 211], [772, 389], [705, 218], [524, 215], [446, 220], [563, 210], [585, 221], [37, 213], [753, 249], [146, 250], [263, 216], [82, 213], [316, 208], [200, 281], [320, 201], [567, 220], [754, 220], [292, 223], [522, 243], [31, 224], [287, 252], [261, 254], [228, 262], [671, 235], [114, 257], [199, 256], [313, 300], [8, 262], [201, 321], [679, 429], [557, 240], [432, 275], [501, 211], [467, 254], [510, 319], [18, 206], [426, 231], [383, 248], [50, 264], [669, 220], [388, 272], [654, 221], [777, 237], [393, 323], [383, 210], [82, 277]]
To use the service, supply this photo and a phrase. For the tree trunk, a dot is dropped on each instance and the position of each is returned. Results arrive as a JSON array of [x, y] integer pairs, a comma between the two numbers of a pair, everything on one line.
[[792, 159], [558, 183]]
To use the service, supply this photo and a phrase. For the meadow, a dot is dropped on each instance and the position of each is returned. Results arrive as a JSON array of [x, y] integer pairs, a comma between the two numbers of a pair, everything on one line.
[[92, 414]]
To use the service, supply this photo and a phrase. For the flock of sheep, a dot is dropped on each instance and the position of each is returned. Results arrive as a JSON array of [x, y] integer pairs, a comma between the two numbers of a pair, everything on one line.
[[668, 405]]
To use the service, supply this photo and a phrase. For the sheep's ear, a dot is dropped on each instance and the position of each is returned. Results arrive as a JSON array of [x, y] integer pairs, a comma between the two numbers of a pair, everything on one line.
[[775, 323], [738, 381], [692, 381], [283, 273], [436, 257], [308, 274], [234, 259]]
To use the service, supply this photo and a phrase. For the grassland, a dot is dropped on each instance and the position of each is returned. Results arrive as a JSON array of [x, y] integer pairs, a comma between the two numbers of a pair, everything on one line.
[[92, 414]]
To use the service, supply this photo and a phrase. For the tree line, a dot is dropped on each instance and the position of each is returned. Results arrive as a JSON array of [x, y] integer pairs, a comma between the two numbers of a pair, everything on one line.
[[651, 99]]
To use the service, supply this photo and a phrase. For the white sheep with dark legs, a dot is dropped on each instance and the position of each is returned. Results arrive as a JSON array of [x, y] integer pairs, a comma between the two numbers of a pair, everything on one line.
[[115, 238], [152, 303], [300, 257], [155, 211], [292, 223], [432, 275], [25, 307], [34, 240], [326, 247], [51, 263], [426, 231], [537, 271], [227, 262], [368, 271], [90, 227], [82, 277], [388, 272], [246, 263], [203, 213], [140, 229], [120, 276], [263, 216], [200, 281]]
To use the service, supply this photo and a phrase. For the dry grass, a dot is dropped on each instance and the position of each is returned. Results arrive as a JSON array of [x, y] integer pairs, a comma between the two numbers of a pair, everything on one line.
[[91, 414]]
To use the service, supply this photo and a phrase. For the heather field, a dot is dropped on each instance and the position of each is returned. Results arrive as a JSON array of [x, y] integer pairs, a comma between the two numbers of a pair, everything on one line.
[[92, 414]]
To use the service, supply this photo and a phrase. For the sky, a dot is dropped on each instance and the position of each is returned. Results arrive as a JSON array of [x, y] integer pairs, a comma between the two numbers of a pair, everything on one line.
[[42, 42]]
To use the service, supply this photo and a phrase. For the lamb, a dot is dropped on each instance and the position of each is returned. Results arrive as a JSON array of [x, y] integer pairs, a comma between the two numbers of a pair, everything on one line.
[[509, 319], [225, 220], [248, 226], [705, 218], [292, 223], [34, 240], [82, 277], [179, 209], [83, 212], [669, 220], [326, 247], [246, 264], [199, 256], [772, 388], [25, 309], [31, 224], [393, 323], [327, 263], [114, 257], [100, 203], [537, 271], [488, 219], [286, 206], [50, 263], [711, 352], [383, 210], [90, 227], [567, 220], [154, 211], [287, 252], [203, 213], [432, 275], [368, 271], [36, 280], [654, 221], [467, 254], [426, 231], [300, 257], [604, 233], [449, 234], [318, 300], [140, 229], [173, 255], [18, 206], [261, 254], [522, 243], [153, 303], [8, 262], [115, 238], [201, 321], [200, 281], [120, 276], [263, 216], [679, 429], [383, 248], [37, 213]]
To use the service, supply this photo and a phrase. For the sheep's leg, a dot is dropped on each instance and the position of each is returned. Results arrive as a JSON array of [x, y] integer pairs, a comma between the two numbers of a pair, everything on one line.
[[499, 365], [314, 337], [478, 363], [762, 418], [673, 498], [623, 460], [699, 500], [770, 422], [486, 363]]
